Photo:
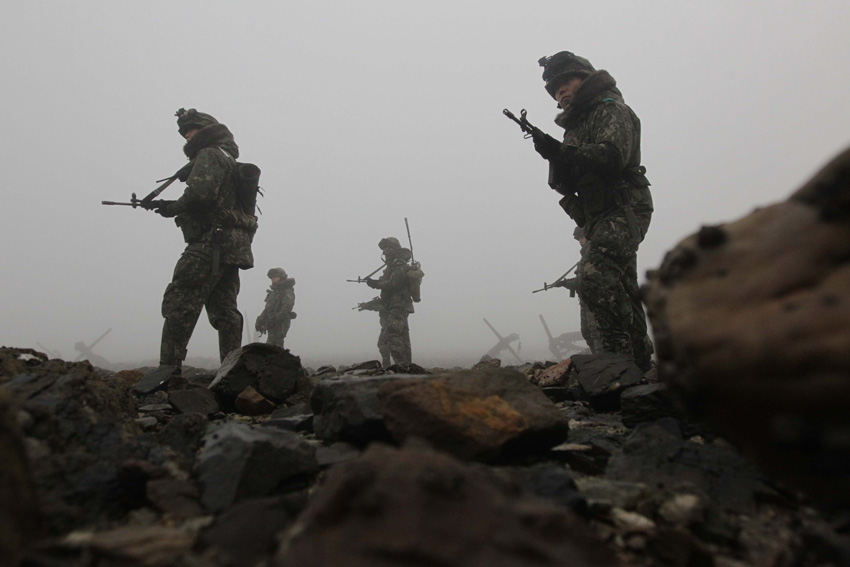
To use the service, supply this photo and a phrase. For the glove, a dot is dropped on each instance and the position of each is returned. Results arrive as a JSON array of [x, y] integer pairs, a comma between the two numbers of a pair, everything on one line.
[[371, 283], [545, 145], [166, 209]]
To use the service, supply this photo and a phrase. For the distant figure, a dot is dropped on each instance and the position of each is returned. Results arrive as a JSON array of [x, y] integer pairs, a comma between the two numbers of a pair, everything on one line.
[[502, 345], [375, 304], [399, 285], [597, 169], [277, 315], [218, 234]]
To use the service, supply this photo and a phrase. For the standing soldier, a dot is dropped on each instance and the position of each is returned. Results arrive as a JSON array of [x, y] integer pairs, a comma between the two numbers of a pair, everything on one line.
[[277, 316], [218, 235], [605, 191], [396, 300]]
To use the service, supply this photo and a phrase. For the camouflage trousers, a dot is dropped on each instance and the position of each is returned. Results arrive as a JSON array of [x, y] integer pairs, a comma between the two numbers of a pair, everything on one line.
[[394, 339], [589, 328], [609, 286], [278, 331], [193, 287]]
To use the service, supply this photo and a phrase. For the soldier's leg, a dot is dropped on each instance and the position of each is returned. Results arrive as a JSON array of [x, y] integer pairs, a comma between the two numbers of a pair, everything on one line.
[[222, 312], [608, 253], [284, 329], [383, 345], [641, 344], [182, 303], [398, 337], [275, 335]]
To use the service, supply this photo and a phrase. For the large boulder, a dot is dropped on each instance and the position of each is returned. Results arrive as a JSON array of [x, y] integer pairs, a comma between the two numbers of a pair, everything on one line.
[[346, 408], [474, 414], [414, 507], [752, 327]]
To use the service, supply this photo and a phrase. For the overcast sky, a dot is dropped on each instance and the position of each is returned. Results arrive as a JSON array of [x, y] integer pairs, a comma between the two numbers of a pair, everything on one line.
[[363, 113]]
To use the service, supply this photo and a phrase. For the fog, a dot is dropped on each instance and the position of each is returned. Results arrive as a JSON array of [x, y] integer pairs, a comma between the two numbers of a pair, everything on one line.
[[363, 113]]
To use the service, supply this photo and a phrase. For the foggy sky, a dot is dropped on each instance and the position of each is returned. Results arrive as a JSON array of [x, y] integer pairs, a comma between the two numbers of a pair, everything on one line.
[[363, 113]]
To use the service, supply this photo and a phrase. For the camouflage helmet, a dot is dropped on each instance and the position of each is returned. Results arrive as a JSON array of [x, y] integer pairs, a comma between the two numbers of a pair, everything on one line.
[[562, 65], [276, 272], [389, 242], [192, 120]]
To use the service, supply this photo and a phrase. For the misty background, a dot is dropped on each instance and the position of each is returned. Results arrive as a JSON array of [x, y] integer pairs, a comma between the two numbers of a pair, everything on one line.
[[361, 114]]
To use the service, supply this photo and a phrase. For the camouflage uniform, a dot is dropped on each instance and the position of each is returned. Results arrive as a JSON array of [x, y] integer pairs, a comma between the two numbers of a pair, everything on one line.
[[589, 326], [218, 237], [396, 300], [277, 315], [597, 169], [375, 304]]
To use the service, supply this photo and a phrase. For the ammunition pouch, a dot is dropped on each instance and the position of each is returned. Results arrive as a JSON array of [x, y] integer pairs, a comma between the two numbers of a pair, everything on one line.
[[233, 218], [191, 226], [572, 206]]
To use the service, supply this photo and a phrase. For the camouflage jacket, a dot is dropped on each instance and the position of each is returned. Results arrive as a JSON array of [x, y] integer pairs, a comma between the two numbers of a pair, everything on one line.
[[395, 287], [600, 157], [280, 300], [210, 202]]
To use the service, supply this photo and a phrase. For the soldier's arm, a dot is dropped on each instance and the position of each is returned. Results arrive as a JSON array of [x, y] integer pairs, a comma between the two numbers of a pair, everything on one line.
[[394, 281], [615, 136], [210, 169]]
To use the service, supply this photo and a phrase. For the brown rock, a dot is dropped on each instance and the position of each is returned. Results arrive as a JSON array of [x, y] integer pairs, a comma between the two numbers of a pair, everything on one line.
[[414, 507], [555, 375], [752, 328], [251, 402], [476, 414]]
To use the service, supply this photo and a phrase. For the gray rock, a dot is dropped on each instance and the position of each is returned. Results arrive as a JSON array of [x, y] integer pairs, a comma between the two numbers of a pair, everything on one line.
[[238, 462], [270, 370], [194, 400], [603, 377], [347, 409], [156, 379], [648, 402]]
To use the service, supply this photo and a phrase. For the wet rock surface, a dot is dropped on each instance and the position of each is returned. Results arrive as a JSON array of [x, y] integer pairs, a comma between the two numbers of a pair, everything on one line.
[[366, 466]]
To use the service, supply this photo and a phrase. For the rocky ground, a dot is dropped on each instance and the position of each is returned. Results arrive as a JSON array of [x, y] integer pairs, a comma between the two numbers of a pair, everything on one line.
[[586, 462]]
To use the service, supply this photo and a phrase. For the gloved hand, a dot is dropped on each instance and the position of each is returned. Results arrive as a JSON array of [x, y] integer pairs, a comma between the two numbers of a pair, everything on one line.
[[547, 146], [166, 209], [371, 283]]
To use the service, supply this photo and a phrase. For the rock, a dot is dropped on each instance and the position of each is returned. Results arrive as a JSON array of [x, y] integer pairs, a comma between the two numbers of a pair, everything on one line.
[[295, 418], [85, 428], [683, 510], [337, 453], [602, 378], [248, 532], [269, 369], [473, 414], [656, 454], [603, 495], [347, 409], [184, 434], [194, 400], [178, 498], [752, 327], [649, 402], [238, 462], [414, 507], [251, 402], [555, 375], [156, 379], [554, 484], [152, 546], [632, 522], [20, 520]]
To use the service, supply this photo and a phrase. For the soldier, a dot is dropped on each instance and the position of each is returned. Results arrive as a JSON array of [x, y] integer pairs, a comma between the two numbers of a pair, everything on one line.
[[605, 191], [396, 300], [375, 304], [218, 235], [277, 315]]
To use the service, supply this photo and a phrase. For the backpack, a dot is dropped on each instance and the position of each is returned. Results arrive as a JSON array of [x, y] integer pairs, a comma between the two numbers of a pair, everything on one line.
[[247, 178], [414, 277]]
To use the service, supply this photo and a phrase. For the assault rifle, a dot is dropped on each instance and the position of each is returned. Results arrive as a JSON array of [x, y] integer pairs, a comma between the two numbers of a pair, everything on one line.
[[363, 280], [529, 129], [148, 202], [560, 282]]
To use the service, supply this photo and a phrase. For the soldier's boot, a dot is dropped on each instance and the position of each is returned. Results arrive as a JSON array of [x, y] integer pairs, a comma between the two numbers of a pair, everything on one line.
[[172, 349]]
